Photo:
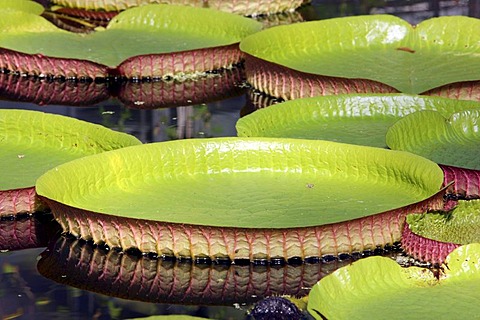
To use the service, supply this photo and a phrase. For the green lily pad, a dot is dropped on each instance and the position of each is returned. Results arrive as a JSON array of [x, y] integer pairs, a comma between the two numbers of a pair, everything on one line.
[[356, 119], [131, 33], [22, 5], [243, 183], [33, 142], [245, 7], [387, 49], [460, 225], [453, 140], [233, 198], [377, 287]]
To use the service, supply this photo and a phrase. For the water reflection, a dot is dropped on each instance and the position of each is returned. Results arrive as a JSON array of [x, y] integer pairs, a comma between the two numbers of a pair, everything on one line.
[[146, 94], [79, 264], [27, 231]]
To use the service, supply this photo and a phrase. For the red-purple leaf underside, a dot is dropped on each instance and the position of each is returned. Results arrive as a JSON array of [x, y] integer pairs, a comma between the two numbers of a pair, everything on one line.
[[285, 83], [89, 15], [424, 249], [181, 64], [19, 201], [36, 64], [184, 240], [466, 182]]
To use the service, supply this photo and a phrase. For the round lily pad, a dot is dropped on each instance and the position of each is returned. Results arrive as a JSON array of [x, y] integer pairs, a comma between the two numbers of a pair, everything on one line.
[[33, 142], [357, 119], [376, 287], [245, 7], [452, 140], [134, 32], [22, 5], [235, 187], [293, 178], [382, 48]]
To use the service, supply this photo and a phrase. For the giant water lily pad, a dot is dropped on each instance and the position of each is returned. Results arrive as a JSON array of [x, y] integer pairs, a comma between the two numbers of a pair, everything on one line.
[[240, 198], [245, 7], [33, 142], [357, 119], [134, 32], [452, 140], [375, 287], [382, 48], [22, 5]]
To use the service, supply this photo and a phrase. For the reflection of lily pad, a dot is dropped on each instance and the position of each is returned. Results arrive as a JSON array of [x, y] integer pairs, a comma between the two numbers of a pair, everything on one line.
[[33, 142], [34, 231], [382, 48], [46, 92], [432, 236], [131, 33], [159, 94], [453, 140], [72, 262], [251, 188], [378, 288], [357, 119], [138, 95]]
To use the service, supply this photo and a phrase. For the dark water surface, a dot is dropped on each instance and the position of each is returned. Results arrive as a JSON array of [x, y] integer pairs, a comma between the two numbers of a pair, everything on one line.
[[75, 280]]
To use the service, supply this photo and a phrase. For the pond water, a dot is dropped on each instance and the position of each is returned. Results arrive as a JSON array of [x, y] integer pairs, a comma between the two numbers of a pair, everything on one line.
[[74, 280]]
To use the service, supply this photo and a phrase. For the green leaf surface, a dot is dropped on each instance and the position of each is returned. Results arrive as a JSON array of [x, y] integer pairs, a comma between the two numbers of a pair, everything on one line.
[[33, 142], [235, 182], [453, 140], [22, 5], [461, 225], [356, 119], [383, 48], [150, 29], [378, 288]]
